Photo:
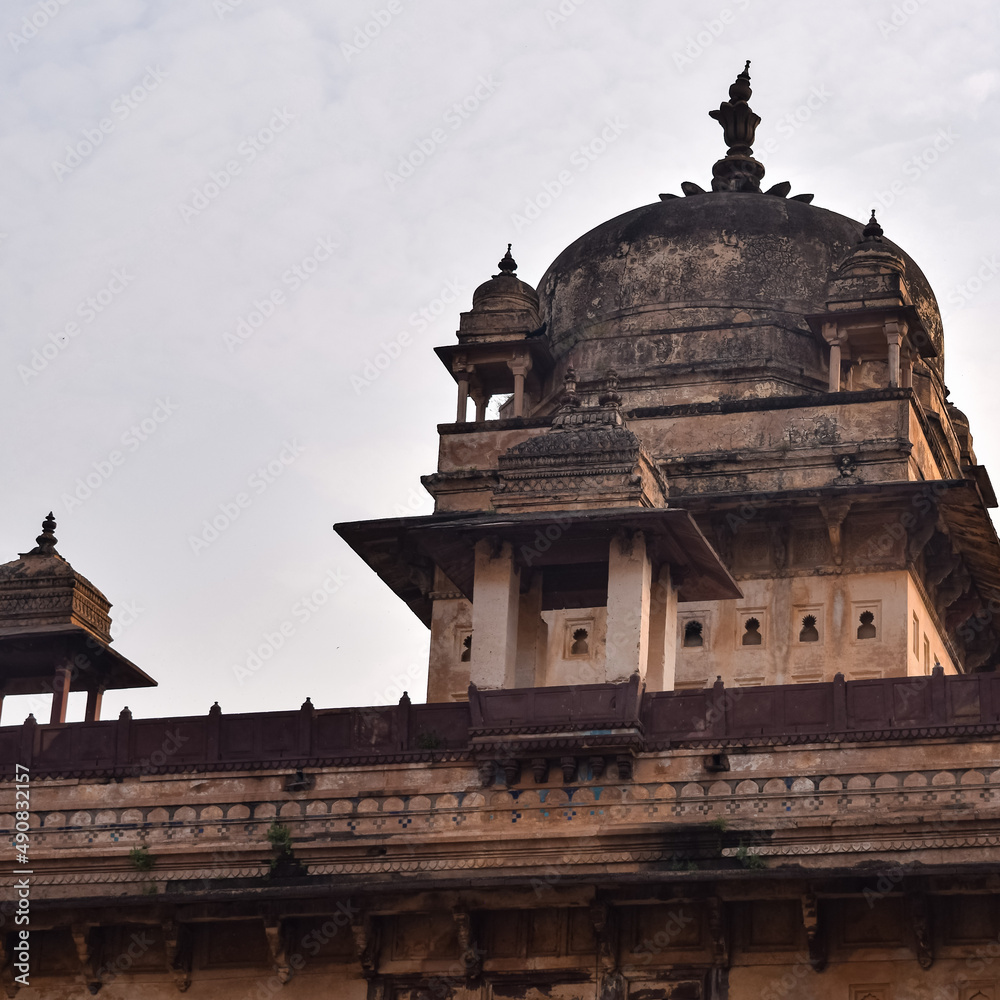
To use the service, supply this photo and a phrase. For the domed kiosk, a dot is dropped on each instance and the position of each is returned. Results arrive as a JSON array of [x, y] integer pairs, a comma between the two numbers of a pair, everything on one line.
[[739, 357]]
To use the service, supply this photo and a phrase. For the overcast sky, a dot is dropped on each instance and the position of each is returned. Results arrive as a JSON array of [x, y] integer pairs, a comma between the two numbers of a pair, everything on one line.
[[168, 170]]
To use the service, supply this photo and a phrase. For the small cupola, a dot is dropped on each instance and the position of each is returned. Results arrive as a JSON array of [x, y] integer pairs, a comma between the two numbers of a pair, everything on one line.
[[55, 631], [500, 349]]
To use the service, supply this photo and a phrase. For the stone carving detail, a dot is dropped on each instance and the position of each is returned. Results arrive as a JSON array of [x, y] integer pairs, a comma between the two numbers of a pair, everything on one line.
[[84, 940], [366, 932], [472, 954], [588, 452], [177, 941], [920, 917], [277, 942], [814, 932]]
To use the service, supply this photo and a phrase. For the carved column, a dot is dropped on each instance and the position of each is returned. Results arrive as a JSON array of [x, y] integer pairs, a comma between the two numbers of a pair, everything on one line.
[[95, 695], [463, 399], [629, 578], [494, 615], [520, 367], [61, 682], [662, 634], [832, 337], [894, 331], [481, 399]]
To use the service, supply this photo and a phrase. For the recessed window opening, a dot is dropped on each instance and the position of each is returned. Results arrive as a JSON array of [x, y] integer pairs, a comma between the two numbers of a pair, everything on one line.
[[580, 645], [692, 634], [809, 632], [751, 635], [467, 649], [866, 628]]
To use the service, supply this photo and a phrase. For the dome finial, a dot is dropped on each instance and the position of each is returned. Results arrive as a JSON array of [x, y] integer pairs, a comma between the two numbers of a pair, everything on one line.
[[507, 264], [739, 171], [872, 232], [46, 541]]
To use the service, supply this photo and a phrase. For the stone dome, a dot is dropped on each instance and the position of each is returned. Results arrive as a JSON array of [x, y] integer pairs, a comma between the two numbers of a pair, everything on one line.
[[712, 260], [503, 293]]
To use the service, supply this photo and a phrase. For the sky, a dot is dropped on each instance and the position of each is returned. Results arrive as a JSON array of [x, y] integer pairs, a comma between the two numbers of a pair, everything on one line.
[[233, 231]]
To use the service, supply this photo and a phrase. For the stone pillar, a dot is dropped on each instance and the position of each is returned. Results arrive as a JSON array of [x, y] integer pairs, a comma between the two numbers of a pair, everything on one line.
[[832, 337], [463, 399], [60, 693], [662, 634], [529, 622], [520, 368], [95, 696], [495, 599], [629, 575], [835, 367], [893, 336], [481, 400]]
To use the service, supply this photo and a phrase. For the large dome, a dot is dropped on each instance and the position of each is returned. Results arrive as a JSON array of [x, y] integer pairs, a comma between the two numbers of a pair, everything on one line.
[[721, 258]]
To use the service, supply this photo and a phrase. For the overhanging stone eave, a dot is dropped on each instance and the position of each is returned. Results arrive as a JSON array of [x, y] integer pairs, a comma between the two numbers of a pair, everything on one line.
[[449, 541], [35, 650]]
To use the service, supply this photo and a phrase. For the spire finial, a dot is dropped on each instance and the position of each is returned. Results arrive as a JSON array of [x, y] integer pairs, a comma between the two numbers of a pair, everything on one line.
[[873, 231], [507, 264], [46, 541], [739, 171]]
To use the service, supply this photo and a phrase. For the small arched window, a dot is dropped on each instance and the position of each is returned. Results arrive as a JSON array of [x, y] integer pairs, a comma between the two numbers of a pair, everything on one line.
[[467, 649], [751, 634], [866, 627], [580, 645], [692, 634], [809, 632]]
